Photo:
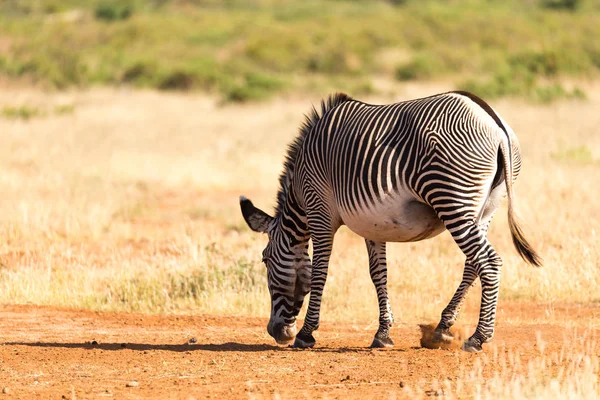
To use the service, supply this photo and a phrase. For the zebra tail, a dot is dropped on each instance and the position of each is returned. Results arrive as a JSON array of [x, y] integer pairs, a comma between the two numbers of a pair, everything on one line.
[[521, 244]]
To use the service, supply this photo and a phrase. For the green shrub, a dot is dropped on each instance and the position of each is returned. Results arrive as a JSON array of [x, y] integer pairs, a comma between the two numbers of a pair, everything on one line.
[[538, 63], [570, 5], [207, 71], [506, 82], [278, 50], [263, 81], [140, 73], [420, 67], [113, 10], [254, 86], [520, 82], [333, 61], [548, 93], [177, 80], [55, 64], [552, 62]]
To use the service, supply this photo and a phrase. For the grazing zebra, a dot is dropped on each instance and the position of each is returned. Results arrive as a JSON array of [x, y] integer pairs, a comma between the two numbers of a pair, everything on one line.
[[392, 173]]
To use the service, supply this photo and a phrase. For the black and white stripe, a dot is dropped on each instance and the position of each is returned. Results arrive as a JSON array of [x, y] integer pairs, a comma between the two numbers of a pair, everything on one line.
[[399, 172]]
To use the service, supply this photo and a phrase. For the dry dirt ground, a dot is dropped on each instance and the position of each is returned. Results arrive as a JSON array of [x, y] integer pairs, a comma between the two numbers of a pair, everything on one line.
[[49, 352]]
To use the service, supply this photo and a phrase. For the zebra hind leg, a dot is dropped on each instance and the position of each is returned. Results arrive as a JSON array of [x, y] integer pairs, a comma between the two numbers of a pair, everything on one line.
[[442, 331], [378, 272], [484, 262], [489, 268], [450, 314]]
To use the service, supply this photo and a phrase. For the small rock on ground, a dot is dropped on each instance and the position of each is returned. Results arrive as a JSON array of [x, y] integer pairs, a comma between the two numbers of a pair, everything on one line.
[[132, 384]]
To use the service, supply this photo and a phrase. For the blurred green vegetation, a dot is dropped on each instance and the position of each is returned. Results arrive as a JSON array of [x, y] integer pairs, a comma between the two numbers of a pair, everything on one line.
[[22, 112], [246, 50], [580, 155]]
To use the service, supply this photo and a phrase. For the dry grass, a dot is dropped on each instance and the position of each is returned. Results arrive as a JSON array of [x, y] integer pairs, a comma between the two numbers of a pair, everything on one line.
[[129, 202], [571, 373]]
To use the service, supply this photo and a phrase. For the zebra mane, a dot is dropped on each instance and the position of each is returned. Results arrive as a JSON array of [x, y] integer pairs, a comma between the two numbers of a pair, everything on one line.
[[310, 120]]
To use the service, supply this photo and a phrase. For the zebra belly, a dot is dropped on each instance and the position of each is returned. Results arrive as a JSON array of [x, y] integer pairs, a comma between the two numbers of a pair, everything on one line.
[[395, 220]]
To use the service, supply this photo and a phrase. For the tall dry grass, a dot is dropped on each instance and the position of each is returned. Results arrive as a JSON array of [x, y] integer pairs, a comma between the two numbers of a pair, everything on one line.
[[569, 373], [127, 200]]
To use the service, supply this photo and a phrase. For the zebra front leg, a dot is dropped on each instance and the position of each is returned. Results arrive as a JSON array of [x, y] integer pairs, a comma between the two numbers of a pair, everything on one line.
[[378, 271], [322, 244], [450, 313]]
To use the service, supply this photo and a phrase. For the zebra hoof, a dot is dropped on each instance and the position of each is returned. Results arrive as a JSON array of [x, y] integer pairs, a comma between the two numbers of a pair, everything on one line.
[[382, 343], [304, 342], [471, 346], [442, 335]]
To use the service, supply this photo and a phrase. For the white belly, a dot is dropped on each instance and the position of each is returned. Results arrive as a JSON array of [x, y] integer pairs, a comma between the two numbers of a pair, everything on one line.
[[395, 219]]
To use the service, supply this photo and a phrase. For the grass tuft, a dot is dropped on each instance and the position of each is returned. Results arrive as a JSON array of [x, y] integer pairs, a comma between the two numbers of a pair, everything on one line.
[[64, 109], [22, 112], [581, 154]]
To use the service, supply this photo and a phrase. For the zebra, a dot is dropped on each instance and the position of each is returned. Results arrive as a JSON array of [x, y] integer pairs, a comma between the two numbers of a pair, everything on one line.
[[400, 172]]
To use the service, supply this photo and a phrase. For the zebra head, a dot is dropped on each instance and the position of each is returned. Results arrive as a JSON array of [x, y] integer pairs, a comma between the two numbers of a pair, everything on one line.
[[288, 268]]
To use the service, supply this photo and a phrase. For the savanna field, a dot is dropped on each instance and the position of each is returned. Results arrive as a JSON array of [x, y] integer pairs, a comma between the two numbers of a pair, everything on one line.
[[129, 130]]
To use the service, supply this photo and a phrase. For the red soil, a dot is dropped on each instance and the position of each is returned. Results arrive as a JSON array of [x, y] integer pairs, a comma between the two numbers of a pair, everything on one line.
[[47, 352]]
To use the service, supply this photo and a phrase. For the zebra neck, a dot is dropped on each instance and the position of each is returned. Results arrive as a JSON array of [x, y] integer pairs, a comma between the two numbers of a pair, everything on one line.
[[293, 221]]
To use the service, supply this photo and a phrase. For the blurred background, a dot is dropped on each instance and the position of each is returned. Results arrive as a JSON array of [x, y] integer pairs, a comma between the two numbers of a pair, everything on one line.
[[250, 50]]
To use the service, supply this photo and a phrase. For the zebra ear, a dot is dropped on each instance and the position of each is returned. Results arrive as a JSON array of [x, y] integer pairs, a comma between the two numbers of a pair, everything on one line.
[[256, 219]]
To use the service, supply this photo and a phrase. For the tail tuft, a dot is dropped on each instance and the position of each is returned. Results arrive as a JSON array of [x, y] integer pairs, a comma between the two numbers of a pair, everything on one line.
[[523, 247]]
